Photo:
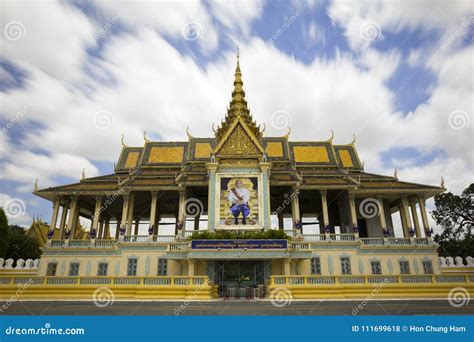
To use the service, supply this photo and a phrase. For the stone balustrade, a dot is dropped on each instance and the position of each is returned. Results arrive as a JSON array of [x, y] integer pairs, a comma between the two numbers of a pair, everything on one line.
[[21, 264], [456, 262]]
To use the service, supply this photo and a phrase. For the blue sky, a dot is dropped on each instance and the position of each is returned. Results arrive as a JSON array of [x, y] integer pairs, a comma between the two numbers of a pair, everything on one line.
[[75, 76]]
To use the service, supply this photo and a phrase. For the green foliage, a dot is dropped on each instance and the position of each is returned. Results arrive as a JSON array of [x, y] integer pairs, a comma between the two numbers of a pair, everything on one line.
[[3, 234], [21, 246], [236, 235], [455, 215]]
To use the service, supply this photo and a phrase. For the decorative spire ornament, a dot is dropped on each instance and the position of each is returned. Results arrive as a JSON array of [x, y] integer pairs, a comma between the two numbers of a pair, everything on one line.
[[145, 137], [123, 141]]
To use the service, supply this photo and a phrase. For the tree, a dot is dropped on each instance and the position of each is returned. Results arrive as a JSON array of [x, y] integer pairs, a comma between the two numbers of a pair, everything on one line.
[[22, 246], [3, 234], [455, 216]]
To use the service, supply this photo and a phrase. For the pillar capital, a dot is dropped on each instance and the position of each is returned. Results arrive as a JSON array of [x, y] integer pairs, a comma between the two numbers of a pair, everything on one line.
[[212, 166]]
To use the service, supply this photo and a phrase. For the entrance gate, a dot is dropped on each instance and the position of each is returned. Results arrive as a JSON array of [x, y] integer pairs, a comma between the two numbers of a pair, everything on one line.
[[240, 279]]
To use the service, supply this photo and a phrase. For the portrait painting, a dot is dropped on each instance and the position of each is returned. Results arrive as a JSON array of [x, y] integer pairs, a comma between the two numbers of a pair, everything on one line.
[[239, 201]]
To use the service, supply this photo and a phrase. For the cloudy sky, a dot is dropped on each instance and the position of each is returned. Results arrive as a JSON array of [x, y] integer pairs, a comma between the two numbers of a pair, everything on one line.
[[76, 75]]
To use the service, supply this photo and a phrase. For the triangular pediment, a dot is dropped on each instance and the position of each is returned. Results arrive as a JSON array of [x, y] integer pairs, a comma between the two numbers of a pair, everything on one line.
[[239, 141]]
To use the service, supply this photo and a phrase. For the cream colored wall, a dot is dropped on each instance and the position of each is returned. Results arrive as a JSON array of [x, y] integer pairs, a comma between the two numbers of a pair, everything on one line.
[[175, 267], [304, 266], [277, 267], [89, 264]]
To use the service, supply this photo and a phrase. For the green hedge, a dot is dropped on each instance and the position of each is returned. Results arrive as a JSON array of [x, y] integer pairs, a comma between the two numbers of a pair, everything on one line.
[[233, 235]]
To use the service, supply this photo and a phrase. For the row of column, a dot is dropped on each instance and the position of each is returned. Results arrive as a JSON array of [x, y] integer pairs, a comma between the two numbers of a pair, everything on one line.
[[408, 222], [68, 223]]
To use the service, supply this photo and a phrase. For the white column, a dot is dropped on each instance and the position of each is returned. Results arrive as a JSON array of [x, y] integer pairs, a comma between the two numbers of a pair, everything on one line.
[[182, 210], [96, 218], [406, 214], [424, 216], [123, 222], [154, 200], [414, 215], [54, 218], [191, 267], [353, 214], [382, 221], [295, 211], [62, 223], [324, 203], [286, 267], [130, 214], [72, 217]]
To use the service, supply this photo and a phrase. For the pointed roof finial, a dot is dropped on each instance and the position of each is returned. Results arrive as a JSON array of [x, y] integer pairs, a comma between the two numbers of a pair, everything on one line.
[[123, 141], [83, 174], [395, 173], [145, 138], [442, 182], [353, 139], [36, 187]]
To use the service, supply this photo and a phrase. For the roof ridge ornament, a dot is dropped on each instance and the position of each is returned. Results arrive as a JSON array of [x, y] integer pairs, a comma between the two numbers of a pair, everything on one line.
[[35, 186], [145, 137], [83, 173], [353, 139], [123, 141], [287, 134], [395, 173], [189, 135], [332, 136], [442, 182]]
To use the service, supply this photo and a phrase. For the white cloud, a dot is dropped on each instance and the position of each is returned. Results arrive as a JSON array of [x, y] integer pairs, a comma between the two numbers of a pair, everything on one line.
[[48, 29], [237, 15], [26, 166], [393, 16], [180, 20], [142, 82]]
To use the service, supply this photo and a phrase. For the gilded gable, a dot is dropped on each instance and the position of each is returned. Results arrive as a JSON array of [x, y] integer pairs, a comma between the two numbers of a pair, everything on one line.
[[238, 143]]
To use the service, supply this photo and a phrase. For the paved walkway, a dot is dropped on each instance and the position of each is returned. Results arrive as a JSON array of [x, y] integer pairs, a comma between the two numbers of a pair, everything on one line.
[[237, 307]]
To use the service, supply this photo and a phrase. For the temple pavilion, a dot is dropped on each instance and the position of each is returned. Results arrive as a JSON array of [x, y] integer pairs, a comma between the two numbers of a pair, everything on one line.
[[335, 219]]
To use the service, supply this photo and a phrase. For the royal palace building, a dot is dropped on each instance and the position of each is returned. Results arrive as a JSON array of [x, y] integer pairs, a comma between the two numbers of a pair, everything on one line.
[[237, 213]]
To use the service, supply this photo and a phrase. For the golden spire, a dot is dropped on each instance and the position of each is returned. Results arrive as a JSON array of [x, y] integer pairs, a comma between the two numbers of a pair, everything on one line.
[[238, 106]]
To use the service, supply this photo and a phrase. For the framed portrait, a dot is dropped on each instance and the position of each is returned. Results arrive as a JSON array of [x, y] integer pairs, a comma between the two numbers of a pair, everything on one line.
[[239, 201]]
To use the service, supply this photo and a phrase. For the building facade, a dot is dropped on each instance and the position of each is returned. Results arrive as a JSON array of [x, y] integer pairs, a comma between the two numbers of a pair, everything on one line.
[[241, 210]]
